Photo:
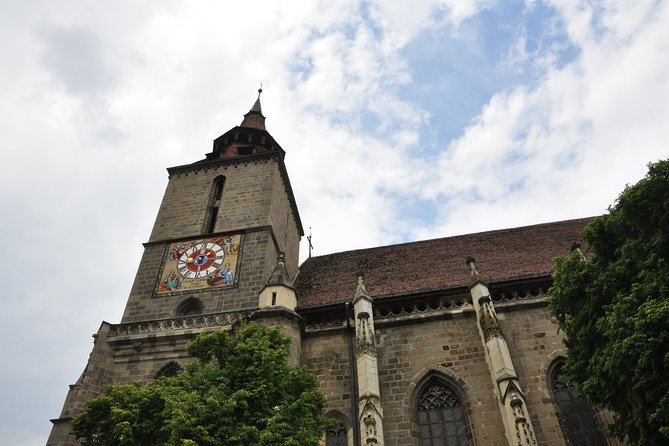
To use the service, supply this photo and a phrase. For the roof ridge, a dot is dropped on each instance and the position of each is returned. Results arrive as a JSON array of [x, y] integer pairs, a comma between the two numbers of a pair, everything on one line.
[[470, 234]]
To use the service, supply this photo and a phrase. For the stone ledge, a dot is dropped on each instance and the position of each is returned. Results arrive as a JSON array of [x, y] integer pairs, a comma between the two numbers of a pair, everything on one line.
[[175, 325], [61, 420]]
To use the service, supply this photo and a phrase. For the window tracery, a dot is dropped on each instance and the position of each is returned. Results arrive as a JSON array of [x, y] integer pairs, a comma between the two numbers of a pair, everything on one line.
[[441, 416], [336, 436]]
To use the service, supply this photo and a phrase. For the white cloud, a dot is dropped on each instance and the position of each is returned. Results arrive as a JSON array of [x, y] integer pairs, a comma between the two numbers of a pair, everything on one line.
[[553, 151]]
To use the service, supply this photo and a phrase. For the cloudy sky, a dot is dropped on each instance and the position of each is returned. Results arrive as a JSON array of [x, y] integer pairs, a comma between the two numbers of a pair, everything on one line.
[[402, 120]]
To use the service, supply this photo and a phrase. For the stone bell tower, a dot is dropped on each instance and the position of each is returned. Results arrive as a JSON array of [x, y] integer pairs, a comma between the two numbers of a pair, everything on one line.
[[223, 223]]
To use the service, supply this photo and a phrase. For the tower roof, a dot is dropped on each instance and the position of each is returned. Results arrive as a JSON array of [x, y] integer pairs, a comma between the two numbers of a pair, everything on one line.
[[247, 139], [280, 274]]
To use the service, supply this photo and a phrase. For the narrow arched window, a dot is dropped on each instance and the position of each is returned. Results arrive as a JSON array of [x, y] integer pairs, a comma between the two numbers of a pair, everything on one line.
[[214, 204], [336, 436], [576, 415], [441, 416]]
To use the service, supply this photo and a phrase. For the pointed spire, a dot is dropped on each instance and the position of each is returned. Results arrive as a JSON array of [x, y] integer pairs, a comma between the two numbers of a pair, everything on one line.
[[254, 118], [280, 274], [256, 107]]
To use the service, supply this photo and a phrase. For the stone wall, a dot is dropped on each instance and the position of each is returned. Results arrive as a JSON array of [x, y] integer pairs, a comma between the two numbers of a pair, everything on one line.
[[447, 345], [533, 340], [255, 202], [327, 355]]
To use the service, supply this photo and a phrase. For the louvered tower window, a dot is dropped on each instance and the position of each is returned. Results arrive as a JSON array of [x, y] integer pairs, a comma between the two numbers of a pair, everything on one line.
[[576, 415], [441, 417], [215, 204], [336, 436]]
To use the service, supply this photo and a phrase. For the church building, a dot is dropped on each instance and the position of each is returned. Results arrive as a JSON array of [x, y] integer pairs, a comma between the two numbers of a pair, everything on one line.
[[438, 342]]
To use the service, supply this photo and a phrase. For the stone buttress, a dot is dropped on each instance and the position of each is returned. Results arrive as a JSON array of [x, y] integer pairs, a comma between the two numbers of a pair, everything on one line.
[[512, 405], [370, 411]]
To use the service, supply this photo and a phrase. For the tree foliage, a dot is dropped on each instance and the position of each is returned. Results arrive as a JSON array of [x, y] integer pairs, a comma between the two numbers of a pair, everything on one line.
[[241, 391], [614, 310]]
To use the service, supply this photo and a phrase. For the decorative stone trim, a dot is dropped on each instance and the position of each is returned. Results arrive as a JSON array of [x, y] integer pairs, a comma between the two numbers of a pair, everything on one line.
[[366, 341], [178, 323], [488, 319], [316, 325], [524, 432], [206, 165], [409, 308], [519, 294], [370, 429]]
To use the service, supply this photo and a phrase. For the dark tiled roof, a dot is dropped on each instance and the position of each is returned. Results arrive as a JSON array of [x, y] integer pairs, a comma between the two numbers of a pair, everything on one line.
[[416, 267]]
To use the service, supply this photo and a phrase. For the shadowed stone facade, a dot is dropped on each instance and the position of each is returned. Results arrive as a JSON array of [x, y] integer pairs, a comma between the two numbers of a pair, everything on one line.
[[445, 341]]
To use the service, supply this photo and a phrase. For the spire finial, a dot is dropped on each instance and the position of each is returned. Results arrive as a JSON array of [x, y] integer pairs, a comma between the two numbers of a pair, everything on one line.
[[361, 290]]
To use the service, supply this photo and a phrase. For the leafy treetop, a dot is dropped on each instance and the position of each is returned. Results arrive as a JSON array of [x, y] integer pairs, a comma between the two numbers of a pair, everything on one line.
[[614, 310], [241, 391]]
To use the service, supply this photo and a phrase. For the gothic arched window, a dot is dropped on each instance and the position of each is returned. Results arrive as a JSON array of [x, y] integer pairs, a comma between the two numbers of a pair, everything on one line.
[[578, 420], [336, 436], [441, 416]]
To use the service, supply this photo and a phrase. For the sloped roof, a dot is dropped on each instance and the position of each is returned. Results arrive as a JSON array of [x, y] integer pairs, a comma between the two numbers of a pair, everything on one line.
[[416, 267]]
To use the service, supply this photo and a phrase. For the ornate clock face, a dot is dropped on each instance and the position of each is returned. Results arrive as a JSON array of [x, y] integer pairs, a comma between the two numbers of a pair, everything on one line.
[[200, 260], [200, 265]]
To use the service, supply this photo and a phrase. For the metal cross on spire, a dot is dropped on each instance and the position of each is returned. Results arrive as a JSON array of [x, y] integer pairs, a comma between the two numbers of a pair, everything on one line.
[[311, 247]]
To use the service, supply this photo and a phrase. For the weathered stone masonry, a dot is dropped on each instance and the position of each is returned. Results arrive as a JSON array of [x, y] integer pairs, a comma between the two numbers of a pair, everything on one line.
[[411, 345]]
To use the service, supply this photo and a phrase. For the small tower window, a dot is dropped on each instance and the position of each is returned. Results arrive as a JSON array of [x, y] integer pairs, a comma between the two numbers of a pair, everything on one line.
[[215, 204], [245, 151], [273, 297]]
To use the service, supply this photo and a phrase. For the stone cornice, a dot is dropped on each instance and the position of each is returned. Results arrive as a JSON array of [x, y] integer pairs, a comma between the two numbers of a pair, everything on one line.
[[178, 323], [276, 311], [213, 234], [211, 164]]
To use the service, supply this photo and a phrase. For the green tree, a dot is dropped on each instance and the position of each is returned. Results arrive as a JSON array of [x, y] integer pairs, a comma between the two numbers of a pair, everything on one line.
[[241, 391], [613, 307]]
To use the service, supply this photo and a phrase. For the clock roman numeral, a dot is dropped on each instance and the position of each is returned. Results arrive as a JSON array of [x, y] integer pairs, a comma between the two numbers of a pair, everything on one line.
[[185, 271]]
